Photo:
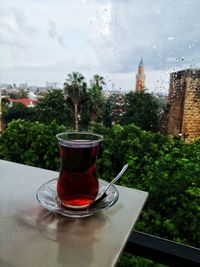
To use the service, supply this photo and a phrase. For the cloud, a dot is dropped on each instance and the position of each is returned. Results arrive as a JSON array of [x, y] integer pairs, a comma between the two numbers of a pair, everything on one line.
[[155, 30], [98, 36], [54, 34], [15, 26], [21, 20]]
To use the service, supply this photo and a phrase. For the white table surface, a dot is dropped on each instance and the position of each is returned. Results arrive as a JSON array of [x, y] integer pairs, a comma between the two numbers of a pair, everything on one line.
[[31, 236]]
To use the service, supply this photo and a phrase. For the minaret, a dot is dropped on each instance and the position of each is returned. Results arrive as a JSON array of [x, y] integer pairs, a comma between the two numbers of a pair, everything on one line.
[[140, 77]]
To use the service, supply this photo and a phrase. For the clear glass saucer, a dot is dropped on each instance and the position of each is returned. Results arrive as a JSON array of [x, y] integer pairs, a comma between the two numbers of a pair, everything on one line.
[[47, 197]]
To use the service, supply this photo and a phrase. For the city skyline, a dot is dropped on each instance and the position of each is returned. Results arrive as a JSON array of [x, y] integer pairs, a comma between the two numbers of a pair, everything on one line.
[[41, 43]]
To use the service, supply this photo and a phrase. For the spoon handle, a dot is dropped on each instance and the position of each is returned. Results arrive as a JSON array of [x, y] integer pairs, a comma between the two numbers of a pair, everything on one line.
[[104, 195], [117, 177]]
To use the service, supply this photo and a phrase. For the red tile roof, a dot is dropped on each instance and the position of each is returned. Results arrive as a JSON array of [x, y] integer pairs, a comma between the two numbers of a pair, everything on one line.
[[25, 101]]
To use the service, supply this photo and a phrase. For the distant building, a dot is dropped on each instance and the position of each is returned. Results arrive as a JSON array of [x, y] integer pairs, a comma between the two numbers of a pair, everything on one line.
[[32, 96], [23, 86], [184, 104], [25, 101], [51, 85], [140, 77]]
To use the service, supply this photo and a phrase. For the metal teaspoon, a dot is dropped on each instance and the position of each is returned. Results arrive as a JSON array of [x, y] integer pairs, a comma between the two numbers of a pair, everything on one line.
[[104, 195]]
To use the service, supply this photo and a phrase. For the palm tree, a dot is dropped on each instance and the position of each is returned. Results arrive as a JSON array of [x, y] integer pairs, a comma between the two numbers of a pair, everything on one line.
[[98, 81], [96, 98], [74, 88]]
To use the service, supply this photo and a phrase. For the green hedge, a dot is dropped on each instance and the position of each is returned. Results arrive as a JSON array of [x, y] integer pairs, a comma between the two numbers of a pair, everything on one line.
[[31, 143], [167, 168]]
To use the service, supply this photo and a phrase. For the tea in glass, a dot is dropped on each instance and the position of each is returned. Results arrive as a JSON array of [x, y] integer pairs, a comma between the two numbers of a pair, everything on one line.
[[78, 184]]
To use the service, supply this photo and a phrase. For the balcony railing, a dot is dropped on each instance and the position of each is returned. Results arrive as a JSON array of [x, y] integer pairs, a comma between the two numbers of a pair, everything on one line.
[[162, 251]]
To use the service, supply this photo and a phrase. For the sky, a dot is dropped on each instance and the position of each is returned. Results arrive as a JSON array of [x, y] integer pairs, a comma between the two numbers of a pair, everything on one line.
[[43, 41]]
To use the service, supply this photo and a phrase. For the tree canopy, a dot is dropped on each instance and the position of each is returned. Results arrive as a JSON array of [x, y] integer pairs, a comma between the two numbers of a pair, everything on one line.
[[17, 111], [31, 143], [97, 81], [141, 109], [92, 109], [75, 89], [54, 107], [166, 168]]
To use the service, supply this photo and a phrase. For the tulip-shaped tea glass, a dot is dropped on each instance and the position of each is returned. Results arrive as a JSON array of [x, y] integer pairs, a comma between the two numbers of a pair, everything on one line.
[[78, 184]]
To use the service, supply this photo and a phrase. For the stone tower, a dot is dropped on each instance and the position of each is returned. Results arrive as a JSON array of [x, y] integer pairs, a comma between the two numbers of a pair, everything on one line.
[[184, 104], [140, 77]]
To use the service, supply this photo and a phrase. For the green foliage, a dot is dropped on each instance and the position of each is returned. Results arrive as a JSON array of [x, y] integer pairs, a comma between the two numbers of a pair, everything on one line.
[[53, 107], [75, 89], [17, 111], [167, 168], [87, 103], [142, 109], [127, 260], [113, 109], [31, 143], [92, 108], [98, 82], [20, 94]]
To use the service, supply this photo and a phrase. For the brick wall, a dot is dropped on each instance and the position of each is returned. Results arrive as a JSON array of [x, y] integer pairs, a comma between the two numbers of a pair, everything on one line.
[[184, 104]]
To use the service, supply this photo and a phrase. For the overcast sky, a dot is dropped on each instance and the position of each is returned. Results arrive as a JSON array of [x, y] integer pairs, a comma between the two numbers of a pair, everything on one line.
[[45, 40]]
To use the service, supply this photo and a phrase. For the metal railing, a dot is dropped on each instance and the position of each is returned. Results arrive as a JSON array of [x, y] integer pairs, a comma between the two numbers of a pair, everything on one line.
[[162, 250]]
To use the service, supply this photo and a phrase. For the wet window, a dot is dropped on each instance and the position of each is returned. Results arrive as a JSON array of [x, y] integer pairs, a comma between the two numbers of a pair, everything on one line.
[[130, 70], [42, 42]]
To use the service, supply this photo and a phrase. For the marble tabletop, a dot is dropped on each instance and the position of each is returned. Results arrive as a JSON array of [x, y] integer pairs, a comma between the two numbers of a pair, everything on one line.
[[31, 236]]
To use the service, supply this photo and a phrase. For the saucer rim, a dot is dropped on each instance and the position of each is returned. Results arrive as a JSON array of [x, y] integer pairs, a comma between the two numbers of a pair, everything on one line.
[[78, 213]]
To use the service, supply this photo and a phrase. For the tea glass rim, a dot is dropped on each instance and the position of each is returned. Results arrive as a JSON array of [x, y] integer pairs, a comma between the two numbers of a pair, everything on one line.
[[79, 143]]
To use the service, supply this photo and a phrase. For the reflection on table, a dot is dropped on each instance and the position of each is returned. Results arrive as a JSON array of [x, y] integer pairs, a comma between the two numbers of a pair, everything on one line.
[[33, 236]]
